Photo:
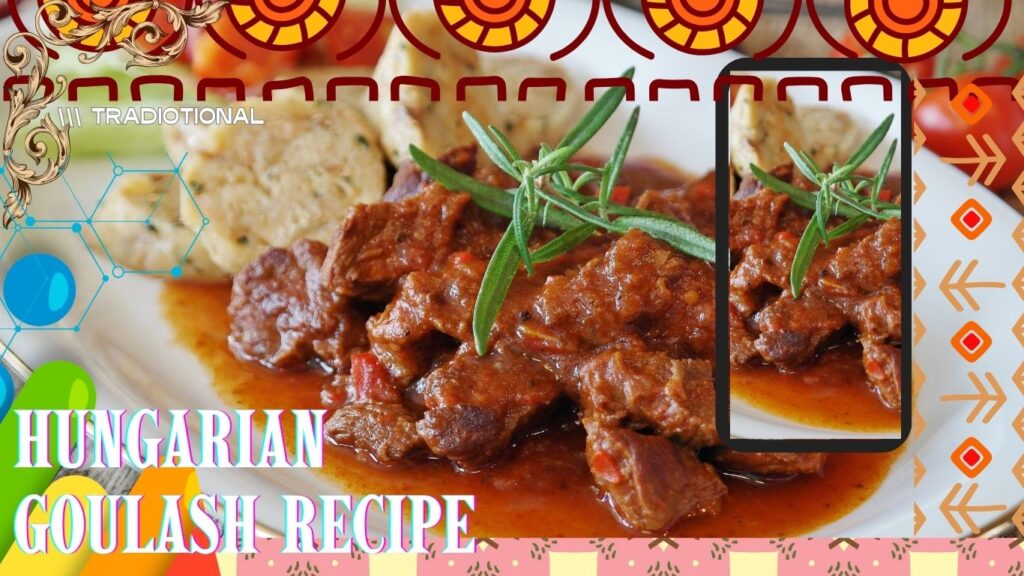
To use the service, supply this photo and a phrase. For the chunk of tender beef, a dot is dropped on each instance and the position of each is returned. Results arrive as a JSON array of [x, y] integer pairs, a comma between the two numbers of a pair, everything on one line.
[[693, 203], [633, 385], [864, 266], [379, 243], [878, 317], [762, 269], [639, 285], [428, 303], [475, 405], [789, 332], [651, 481], [768, 463], [759, 216], [883, 365], [385, 431], [278, 308]]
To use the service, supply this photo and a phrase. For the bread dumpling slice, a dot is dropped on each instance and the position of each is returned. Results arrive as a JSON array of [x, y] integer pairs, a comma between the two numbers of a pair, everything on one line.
[[140, 227], [292, 177]]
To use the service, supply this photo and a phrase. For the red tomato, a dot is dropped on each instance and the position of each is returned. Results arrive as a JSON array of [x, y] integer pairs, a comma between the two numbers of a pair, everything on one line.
[[946, 134], [210, 60], [371, 380]]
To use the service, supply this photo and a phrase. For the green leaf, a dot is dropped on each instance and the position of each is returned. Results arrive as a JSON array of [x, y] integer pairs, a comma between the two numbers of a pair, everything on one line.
[[869, 145], [801, 163], [493, 290], [802, 258], [502, 139], [489, 146], [847, 226], [563, 243], [883, 173], [595, 118], [614, 165], [676, 234], [522, 224], [799, 196]]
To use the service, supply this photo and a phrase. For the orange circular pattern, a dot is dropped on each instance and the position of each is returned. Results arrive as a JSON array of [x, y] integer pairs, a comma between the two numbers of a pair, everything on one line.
[[86, 16], [702, 26], [494, 25], [905, 30], [284, 24]]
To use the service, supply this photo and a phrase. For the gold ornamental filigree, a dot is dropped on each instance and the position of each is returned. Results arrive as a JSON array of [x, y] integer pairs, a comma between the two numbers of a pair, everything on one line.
[[25, 55], [144, 40]]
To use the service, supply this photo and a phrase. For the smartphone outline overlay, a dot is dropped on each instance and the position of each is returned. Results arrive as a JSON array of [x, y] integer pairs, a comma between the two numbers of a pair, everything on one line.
[[723, 171]]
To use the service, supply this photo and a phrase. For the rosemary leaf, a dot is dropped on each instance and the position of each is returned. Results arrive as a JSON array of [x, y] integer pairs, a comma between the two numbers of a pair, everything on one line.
[[502, 139], [493, 289], [522, 224], [489, 146], [595, 118], [614, 165], [800, 161], [799, 196], [868, 147], [676, 234], [883, 173], [802, 258], [563, 243]]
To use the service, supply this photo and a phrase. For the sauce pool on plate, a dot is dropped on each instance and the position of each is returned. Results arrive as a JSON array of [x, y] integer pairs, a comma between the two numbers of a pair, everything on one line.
[[542, 489]]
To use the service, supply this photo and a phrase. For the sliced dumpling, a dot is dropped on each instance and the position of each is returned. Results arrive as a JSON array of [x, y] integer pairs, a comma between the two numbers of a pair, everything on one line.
[[434, 126], [292, 177], [758, 129], [140, 228]]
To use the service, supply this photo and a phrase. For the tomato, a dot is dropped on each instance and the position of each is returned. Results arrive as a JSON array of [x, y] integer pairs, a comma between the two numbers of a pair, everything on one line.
[[946, 134], [210, 60], [371, 380], [349, 28]]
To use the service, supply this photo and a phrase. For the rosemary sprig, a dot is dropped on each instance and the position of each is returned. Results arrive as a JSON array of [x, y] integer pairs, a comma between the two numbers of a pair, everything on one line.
[[840, 193], [548, 194]]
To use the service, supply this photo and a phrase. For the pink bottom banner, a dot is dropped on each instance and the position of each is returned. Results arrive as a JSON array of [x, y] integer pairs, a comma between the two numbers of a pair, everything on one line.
[[664, 557]]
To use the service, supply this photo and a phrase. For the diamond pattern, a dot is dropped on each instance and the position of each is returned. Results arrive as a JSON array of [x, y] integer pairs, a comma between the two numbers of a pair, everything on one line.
[[971, 341], [971, 457], [971, 219]]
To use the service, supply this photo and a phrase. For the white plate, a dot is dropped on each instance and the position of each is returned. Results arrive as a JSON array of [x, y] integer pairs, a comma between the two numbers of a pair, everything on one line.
[[128, 347]]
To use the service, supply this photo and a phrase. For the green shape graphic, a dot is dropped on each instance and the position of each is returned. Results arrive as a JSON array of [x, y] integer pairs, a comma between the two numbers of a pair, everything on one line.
[[53, 386]]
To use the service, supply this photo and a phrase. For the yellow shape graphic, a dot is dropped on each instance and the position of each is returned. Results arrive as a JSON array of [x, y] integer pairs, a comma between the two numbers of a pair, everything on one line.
[[54, 562], [153, 484], [933, 563], [494, 25], [905, 29], [753, 564], [393, 564], [573, 564]]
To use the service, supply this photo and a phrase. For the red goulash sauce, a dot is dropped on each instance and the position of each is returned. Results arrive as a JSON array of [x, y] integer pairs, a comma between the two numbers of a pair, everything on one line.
[[544, 487], [830, 393]]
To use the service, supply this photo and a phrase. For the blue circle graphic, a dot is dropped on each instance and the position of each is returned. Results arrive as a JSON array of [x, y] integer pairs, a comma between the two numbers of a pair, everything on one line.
[[39, 289], [6, 391]]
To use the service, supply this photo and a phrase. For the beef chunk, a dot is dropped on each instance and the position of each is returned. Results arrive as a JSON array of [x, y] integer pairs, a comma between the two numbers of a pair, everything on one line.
[[878, 317], [768, 463], [475, 405], [693, 203], [278, 308], [864, 266], [883, 365], [791, 331], [643, 388], [428, 303], [651, 481], [379, 243], [387, 432], [640, 285]]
